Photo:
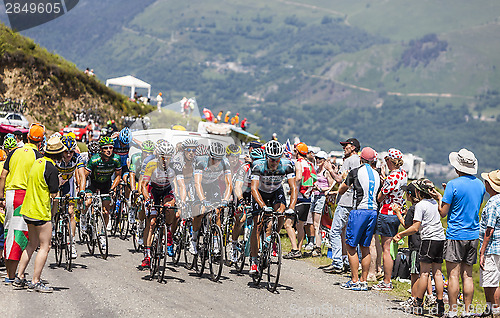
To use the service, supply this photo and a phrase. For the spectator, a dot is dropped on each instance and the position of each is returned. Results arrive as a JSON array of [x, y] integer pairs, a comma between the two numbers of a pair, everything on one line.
[[43, 185], [13, 183], [236, 119], [460, 203], [344, 206], [3, 156], [244, 124], [219, 116], [321, 189], [275, 136], [489, 235], [428, 221], [19, 138], [227, 117], [159, 99], [390, 195], [365, 182]]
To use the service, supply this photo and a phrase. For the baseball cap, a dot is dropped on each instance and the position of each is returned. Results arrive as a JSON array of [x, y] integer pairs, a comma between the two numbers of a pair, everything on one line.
[[368, 154], [36, 132], [302, 148], [321, 155], [352, 141]]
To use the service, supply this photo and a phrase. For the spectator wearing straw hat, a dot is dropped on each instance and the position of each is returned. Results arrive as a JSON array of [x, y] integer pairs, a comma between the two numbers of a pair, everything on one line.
[[489, 235], [460, 203]]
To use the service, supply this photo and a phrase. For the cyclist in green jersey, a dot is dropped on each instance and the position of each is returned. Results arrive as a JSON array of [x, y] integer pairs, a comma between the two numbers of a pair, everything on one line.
[[101, 168]]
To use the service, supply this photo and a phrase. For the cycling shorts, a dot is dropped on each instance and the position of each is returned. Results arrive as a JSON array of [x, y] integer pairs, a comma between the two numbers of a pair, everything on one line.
[[103, 187], [270, 199], [68, 188], [159, 194]]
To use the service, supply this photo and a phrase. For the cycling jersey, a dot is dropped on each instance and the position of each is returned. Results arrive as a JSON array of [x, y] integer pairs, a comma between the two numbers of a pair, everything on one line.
[[270, 181], [182, 167], [67, 169], [100, 170], [211, 174], [244, 174], [122, 151], [157, 177]]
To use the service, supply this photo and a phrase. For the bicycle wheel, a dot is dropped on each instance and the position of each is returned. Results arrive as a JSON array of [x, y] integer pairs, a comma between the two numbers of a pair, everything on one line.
[[123, 226], [215, 258], [189, 259], [227, 239], [101, 236], [115, 219], [274, 262], [89, 235], [201, 257], [78, 230], [155, 250], [161, 273], [133, 232], [58, 237], [67, 241], [178, 243]]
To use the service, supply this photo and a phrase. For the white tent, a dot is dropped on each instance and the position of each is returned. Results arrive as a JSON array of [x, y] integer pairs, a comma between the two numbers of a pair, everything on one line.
[[129, 81]]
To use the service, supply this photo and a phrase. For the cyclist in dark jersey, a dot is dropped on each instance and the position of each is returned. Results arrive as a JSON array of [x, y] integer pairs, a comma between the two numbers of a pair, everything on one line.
[[208, 170], [267, 191], [101, 168]]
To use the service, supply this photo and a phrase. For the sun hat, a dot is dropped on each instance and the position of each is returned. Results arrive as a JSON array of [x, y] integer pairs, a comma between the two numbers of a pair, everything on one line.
[[351, 141], [424, 185], [368, 154], [54, 146], [302, 148], [394, 154], [493, 179], [36, 132], [464, 161], [321, 155]]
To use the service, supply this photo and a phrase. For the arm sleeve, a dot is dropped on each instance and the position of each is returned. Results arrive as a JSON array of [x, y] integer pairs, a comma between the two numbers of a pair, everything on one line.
[[51, 177]]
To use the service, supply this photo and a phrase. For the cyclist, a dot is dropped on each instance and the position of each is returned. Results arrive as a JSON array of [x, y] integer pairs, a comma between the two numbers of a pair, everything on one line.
[[183, 164], [93, 149], [208, 169], [242, 192], [100, 168], [267, 191], [157, 182], [71, 169]]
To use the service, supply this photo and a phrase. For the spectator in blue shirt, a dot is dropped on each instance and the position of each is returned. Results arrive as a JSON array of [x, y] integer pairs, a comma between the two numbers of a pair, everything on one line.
[[489, 254], [460, 203]]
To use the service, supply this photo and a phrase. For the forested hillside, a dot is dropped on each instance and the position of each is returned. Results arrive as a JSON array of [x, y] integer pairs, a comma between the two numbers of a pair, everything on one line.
[[421, 76]]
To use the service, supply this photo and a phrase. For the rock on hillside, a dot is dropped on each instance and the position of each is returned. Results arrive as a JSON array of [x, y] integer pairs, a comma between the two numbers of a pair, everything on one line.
[[52, 87]]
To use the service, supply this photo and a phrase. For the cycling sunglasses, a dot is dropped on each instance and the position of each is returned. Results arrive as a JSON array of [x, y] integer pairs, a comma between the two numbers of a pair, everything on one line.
[[190, 150], [107, 147]]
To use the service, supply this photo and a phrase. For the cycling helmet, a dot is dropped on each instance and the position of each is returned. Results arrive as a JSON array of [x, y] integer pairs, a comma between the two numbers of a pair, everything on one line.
[[148, 146], [3, 155], [164, 148], [191, 142], [201, 150], [93, 147], [125, 136], [257, 154], [105, 141], [9, 143], [10, 135], [233, 150], [274, 149], [216, 150], [69, 142]]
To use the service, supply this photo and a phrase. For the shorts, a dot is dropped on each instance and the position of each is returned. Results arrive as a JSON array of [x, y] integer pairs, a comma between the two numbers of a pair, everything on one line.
[[212, 192], [34, 222], [270, 199], [160, 194], [490, 276], [414, 262], [318, 203], [461, 251], [302, 210], [431, 251], [360, 227], [387, 225], [102, 187], [125, 170], [68, 188]]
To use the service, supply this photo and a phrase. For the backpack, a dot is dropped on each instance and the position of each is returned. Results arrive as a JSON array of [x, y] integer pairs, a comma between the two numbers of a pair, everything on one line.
[[401, 267]]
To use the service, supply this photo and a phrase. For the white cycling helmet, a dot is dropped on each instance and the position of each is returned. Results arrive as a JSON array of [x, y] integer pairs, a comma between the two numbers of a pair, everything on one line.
[[274, 149], [164, 148], [217, 150]]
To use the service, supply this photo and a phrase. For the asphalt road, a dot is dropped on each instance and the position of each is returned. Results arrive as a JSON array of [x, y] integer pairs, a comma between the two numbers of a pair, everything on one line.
[[116, 288]]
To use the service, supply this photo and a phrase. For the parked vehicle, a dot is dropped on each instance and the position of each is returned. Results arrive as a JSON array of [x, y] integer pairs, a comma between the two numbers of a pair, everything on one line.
[[78, 128], [13, 119]]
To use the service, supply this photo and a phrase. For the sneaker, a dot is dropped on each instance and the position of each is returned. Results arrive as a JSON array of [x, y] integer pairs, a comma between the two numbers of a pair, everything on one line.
[[74, 254], [309, 247], [254, 270], [333, 270], [407, 303], [20, 283], [31, 286], [42, 288], [362, 286], [293, 254], [192, 248], [170, 250], [146, 262], [430, 301], [349, 285], [8, 281], [383, 286]]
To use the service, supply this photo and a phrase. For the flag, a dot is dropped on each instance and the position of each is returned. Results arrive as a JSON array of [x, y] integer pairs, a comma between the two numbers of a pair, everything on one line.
[[288, 150]]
